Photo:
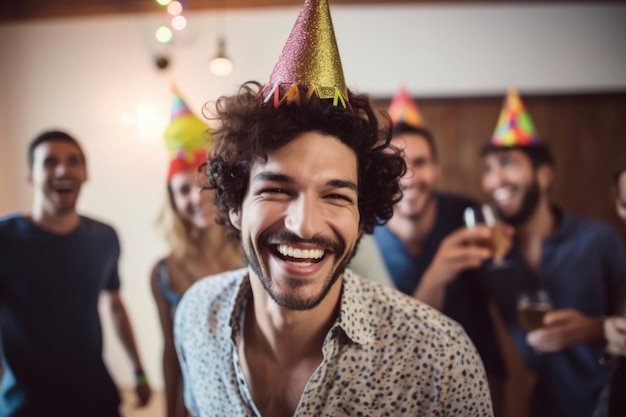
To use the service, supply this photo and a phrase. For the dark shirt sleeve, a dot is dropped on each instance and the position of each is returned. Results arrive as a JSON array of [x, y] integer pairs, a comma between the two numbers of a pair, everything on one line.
[[113, 279], [615, 273]]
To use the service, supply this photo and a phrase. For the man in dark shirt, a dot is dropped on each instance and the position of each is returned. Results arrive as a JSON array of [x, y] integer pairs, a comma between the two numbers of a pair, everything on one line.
[[425, 244], [54, 264], [580, 262]]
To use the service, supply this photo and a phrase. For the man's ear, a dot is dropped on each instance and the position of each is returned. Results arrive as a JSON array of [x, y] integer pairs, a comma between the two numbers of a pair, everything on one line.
[[234, 214], [545, 176]]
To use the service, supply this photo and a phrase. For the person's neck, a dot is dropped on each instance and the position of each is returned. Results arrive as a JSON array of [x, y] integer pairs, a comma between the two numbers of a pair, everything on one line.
[[60, 224], [210, 240], [540, 225], [414, 232], [289, 336]]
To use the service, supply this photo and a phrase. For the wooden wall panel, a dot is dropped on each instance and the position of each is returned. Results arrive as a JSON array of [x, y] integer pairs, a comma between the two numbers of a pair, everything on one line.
[[587, 133]]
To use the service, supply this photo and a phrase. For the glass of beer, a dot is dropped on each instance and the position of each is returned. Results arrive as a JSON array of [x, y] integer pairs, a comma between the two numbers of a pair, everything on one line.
[[498, 243], [532, 306]]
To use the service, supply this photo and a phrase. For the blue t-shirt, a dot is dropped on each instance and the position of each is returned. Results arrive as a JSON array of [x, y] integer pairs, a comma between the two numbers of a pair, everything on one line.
[[50, 330], [465, 300], [583, 266]]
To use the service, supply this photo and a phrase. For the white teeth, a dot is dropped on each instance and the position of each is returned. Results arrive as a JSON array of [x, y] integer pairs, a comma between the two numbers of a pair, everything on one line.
[[63, 185], [300, 253], [502, 193]]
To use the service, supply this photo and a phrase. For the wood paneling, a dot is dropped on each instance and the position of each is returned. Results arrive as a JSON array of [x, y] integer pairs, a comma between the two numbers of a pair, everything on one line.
[[587, 133]]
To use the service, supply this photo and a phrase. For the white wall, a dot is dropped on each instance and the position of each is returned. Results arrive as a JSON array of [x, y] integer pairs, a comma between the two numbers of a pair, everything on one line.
[[83, 74]]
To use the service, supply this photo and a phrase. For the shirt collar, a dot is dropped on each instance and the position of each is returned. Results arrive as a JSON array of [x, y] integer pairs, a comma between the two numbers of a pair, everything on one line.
[[353, 320]]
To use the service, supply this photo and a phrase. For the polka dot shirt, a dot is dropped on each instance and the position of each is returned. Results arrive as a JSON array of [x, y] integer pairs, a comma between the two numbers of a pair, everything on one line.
[[386, 355]]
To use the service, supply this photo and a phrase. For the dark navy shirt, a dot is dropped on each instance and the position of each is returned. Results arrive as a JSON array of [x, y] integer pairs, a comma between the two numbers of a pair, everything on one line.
[[465, 300], [583, 266], [51, 335]]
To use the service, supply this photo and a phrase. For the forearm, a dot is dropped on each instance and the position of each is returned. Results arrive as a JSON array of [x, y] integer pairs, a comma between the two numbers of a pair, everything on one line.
[[429, 291], [172, 379], [124, 330]]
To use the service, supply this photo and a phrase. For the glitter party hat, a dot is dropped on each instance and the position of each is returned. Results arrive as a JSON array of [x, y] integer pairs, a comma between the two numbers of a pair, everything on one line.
[[515, 127], [310, 58], [186, 138], [404, 109]]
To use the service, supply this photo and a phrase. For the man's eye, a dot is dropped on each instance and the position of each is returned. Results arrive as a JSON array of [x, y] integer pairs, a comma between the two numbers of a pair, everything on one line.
[[273, 191], [336, 196]]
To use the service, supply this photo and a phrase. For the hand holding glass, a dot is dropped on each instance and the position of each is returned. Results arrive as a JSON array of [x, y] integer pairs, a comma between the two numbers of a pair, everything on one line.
[[498, 242], [532, 306]]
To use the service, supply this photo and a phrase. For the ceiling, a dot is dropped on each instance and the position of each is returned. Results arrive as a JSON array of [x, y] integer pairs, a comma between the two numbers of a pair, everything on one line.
[[15, 10]]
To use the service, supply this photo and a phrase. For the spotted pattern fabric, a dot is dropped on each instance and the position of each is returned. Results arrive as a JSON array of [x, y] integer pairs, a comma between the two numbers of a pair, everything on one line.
[[386, 355]]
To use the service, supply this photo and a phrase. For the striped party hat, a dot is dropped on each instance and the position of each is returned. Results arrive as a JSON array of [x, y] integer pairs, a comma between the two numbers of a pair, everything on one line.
[[403, 109], [186, 138], [515, 127]]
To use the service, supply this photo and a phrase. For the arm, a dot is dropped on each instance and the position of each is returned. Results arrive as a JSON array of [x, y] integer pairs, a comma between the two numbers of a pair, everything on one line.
[[453, 256], [565, 328], [171, 369], [125, 332], [568, 327]]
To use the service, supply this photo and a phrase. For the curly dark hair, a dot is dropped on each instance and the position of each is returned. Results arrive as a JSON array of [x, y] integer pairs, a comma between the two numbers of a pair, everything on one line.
[[249, 130]]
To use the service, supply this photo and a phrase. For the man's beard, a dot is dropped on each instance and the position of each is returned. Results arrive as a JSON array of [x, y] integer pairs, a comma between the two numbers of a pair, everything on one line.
[[417, 215], [530, 201], [284, 237]]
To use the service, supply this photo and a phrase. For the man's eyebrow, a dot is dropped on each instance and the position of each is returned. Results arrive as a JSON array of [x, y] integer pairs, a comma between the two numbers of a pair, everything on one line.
[[343, 184], [271, 176]]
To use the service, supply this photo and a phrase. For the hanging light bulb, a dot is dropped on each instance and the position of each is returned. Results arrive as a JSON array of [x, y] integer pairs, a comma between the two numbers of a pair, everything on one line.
[[220, 64]]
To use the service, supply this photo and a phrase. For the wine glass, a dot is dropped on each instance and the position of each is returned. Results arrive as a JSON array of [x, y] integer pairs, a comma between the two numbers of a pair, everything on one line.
[[532, 306], [498, 242]]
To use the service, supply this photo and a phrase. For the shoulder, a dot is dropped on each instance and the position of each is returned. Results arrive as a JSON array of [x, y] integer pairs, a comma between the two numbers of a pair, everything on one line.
[[208, 293], [159, 268], [394, 315], [12, 221], [588, 227], [96, 228], [97, 225]]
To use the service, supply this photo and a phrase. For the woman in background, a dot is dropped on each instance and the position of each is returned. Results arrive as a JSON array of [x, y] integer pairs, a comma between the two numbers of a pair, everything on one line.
[[198, 246]]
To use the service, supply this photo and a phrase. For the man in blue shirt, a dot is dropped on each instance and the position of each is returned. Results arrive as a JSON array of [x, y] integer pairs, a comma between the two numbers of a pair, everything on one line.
[[425, 243], [54, 263], [580, 262]]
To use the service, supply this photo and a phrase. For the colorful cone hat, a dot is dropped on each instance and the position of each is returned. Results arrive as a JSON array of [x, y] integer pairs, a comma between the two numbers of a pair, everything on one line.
[[515, 127], [310, 58], [403, 109], [186, 138]]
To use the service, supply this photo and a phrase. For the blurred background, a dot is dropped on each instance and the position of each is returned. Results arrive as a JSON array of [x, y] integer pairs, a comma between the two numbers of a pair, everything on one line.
[[96, 69]]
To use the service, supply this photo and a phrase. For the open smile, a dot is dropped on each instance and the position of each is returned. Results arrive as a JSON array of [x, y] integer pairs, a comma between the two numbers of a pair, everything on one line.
[[299, 256]]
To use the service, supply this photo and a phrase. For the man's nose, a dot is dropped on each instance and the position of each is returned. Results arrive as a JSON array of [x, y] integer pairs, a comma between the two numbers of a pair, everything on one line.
[[60, 169], [194, 195], [304, 216]]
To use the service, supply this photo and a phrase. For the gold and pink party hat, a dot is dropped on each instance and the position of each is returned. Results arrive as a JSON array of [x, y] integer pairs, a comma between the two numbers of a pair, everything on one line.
[[403, 109], [515, 127], [310, 58], [186, 137]]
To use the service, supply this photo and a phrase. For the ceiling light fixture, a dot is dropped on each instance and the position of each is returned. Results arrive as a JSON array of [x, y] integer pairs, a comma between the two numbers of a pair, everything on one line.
[[221, 64]]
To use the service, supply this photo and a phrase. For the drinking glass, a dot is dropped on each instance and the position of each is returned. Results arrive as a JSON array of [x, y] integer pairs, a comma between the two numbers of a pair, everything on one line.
[[498, 241], [532, 306]]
